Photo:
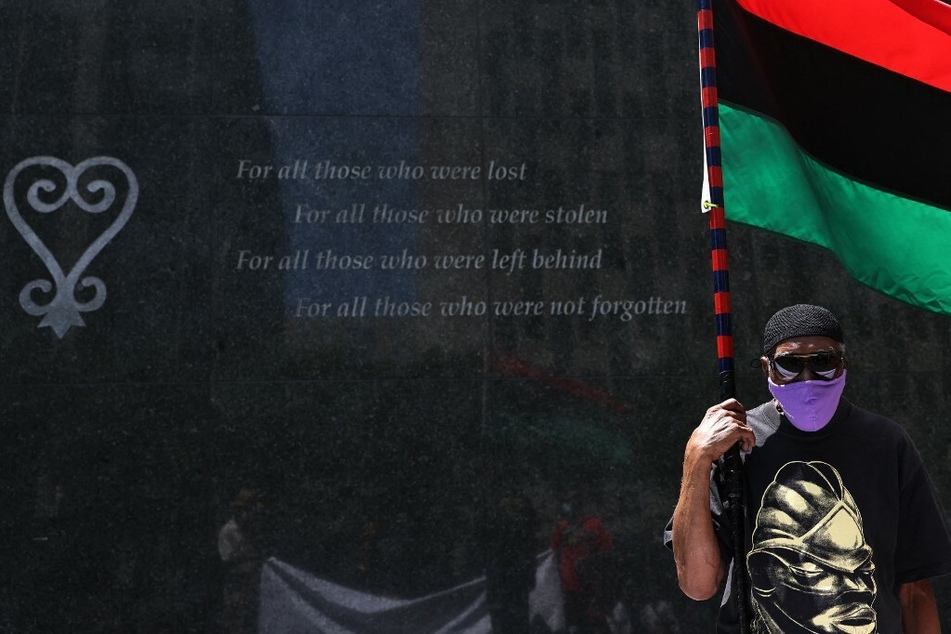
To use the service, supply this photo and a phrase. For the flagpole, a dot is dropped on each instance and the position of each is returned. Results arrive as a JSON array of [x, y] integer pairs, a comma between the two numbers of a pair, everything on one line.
[[732, 463]]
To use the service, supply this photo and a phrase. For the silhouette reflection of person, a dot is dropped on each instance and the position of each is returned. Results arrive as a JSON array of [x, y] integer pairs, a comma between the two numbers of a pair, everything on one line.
[[509, 541], [368, 558], [582, 543], [809, 552], [242, 563]]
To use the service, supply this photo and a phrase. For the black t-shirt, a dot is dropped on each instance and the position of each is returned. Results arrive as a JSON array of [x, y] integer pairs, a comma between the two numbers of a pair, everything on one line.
[[835, 521]]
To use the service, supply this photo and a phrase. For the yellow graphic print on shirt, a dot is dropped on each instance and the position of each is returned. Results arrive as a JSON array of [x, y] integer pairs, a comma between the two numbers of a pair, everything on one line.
[[810, 567]]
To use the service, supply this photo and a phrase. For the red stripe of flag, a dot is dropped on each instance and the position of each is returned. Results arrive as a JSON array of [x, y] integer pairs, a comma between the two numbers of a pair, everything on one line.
[[934, 12], [508, 365], [877, 31]]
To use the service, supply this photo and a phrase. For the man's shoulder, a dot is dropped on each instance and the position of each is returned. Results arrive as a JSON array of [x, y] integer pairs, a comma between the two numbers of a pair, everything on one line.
[[868, 416], [764, 419], [874, 426], [763, 410]]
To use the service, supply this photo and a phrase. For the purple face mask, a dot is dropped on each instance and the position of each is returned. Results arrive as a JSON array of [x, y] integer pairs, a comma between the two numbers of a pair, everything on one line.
[[809, 405]]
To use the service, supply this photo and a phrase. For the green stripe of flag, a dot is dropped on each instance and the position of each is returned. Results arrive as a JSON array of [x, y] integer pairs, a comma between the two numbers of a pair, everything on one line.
[[898, 246]]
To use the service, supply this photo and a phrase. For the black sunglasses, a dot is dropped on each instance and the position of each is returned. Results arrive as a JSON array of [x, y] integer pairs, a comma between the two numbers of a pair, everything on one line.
[[823, 364]]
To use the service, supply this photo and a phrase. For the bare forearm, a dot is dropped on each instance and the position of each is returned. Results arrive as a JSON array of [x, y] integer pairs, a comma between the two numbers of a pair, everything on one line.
[[919, 609], [696, 551]]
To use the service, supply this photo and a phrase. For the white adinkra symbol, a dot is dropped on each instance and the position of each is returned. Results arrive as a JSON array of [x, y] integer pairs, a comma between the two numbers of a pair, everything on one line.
[[45, 196]]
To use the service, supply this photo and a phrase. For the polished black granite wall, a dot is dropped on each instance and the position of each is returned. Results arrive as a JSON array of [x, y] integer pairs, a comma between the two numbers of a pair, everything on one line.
[[389, 372]]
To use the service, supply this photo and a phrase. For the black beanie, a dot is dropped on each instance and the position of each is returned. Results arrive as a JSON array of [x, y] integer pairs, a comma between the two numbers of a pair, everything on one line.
[[800, 320]]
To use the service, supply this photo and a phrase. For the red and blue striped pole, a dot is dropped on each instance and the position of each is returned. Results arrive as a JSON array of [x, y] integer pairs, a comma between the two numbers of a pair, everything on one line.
[[732, 463], [711, 136]]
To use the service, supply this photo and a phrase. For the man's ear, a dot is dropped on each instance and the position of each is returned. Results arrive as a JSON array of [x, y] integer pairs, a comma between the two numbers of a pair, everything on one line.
[[764, 365]]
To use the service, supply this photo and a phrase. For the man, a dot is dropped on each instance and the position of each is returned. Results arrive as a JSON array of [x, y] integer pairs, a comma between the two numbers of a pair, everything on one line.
[[842, 525], [508, 538]]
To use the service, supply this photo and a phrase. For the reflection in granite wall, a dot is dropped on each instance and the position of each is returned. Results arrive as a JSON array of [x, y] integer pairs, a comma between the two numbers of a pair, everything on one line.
[[389, 266]]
